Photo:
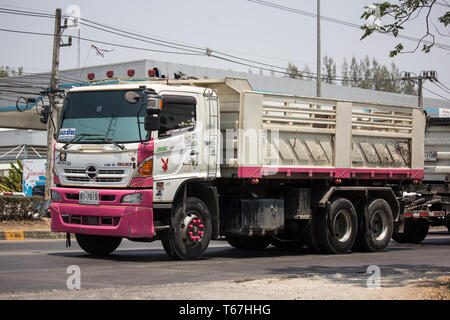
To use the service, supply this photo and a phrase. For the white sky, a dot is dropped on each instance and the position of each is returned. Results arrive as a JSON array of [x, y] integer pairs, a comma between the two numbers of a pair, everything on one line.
[[237, 27]]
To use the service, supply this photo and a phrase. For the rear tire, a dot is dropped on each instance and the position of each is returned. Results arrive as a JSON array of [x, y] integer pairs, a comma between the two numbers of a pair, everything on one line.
[[190, 233], [293, 238], [312, 241], [337, 227], [375, 230], [97, 245], [415, 231]]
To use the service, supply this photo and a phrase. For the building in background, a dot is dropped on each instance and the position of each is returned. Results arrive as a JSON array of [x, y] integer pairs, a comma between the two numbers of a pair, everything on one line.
[[25, 144], [20, 145]]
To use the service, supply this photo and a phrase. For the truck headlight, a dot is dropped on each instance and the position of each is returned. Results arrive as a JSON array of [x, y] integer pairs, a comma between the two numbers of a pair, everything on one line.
[[56, 196], [132, 198]]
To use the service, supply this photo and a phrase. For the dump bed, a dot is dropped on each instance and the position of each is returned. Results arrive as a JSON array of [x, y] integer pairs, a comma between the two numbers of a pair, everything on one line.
[[304, 137], [274, 135]]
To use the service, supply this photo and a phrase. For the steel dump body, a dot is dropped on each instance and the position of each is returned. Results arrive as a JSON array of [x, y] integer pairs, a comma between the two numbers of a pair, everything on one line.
[[320, 138]]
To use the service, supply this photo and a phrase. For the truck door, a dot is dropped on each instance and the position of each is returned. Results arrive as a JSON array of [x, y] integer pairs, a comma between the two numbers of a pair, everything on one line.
[[177, 146]]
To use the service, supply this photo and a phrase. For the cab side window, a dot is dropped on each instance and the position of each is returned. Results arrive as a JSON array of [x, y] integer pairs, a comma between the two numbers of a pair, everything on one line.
[[177, 115]]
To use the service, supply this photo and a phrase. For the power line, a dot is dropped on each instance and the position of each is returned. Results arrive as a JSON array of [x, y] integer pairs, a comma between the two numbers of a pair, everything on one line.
[[341, 22], [436, 94], [441, 87], [98, 41], [208, 52]]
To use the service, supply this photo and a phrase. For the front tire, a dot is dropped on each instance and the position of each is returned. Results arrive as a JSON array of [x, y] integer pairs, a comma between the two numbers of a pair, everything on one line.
[[190, 234], [97, 245], [375, 230], [337, 227]]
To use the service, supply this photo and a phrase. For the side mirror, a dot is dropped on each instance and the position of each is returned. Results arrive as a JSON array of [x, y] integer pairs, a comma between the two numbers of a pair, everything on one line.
[[154, 106], [151, 122]]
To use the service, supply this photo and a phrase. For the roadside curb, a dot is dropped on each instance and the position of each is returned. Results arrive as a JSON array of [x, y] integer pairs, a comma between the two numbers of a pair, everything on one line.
[[25, 235]]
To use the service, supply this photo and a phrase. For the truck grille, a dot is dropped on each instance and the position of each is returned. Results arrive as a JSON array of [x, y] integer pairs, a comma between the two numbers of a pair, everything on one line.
[[83, 171], [78, 176], [86, 179]]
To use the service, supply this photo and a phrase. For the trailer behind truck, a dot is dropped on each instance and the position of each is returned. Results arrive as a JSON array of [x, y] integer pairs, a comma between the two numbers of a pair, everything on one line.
[[187, 161], [428, 204]]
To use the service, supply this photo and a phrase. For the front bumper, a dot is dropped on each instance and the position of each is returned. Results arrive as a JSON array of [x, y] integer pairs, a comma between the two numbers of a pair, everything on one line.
[[108, 218]]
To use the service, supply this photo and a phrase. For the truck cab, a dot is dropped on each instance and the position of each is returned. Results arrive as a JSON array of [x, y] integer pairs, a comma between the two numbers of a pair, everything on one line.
[[113, 165]]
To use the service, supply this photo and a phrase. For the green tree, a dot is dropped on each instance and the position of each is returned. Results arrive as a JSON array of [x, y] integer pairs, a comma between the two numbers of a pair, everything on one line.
[[329, 70], [355, 73], [408, 87], [398, 16], [293, 71], [345, 73], [13, 181], [4, 72]]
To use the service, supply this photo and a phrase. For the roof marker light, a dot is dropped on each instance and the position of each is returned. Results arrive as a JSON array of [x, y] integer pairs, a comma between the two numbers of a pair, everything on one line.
[[109, 73], [130, 72], [91, 76]]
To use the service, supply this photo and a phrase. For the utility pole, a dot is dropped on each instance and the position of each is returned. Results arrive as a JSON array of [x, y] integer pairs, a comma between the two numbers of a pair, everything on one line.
[[424, 75], [54, 111], [318, 92]]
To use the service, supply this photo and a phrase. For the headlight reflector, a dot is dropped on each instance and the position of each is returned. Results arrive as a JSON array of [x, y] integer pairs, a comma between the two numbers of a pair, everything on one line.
[[132, 198], [56, 196]]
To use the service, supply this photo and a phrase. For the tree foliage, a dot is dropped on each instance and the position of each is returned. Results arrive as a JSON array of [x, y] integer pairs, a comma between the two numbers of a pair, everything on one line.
[[293, 72], [366, 73], [370, 74], [13, 181], [398, 16], [6, 71], [329, 70]]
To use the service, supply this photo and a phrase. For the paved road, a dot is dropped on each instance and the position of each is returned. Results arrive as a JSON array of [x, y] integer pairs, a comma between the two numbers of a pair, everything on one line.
[[41, 265]]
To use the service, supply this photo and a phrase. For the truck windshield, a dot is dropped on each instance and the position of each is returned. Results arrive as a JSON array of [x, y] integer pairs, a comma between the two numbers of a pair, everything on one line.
[[106, 114]]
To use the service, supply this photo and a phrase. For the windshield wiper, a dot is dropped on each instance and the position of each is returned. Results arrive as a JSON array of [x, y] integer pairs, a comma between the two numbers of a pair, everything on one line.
[[121, 146], [77, 138]]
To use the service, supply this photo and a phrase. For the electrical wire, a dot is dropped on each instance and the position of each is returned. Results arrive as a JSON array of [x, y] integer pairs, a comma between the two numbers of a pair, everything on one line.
[[341, 22], [435, 93]]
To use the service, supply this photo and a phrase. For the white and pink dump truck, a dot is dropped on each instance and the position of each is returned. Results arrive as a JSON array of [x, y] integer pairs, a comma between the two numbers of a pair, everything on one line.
[[187, 161]]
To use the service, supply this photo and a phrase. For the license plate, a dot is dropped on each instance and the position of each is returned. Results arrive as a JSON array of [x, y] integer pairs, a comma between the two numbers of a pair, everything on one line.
[[88, 197]]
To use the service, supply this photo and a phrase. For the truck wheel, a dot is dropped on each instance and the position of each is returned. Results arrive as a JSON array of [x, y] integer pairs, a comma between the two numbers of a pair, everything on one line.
[[190, 233], [248, 242], [375, 231], [293, 238], [337, 227], [312, 241], [416, 230], [97, 245], [400, 237]]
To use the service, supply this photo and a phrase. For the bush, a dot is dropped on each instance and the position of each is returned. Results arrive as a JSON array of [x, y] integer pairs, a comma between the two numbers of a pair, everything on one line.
[[20, 208]]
